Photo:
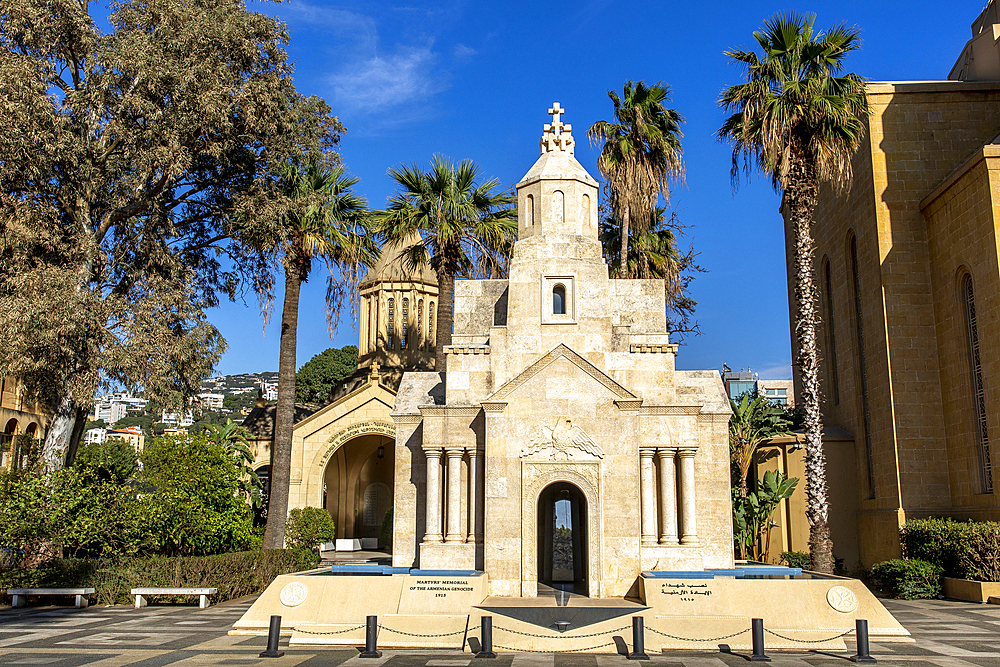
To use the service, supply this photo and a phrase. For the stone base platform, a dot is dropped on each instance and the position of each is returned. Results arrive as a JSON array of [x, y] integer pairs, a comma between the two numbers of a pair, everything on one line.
[[681, 610]]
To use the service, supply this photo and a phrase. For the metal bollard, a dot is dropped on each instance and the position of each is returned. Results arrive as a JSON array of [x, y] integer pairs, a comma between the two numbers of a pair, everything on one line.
[[757, 627], [861, 631], [273, 632], [486, 638], [638, 640], [371, 639]]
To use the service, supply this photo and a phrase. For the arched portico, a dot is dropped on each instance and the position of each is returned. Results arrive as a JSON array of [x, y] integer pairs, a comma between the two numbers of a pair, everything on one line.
[[356, 478]]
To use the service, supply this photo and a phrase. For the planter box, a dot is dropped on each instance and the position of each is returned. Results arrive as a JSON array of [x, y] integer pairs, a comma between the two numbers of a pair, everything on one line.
[[966, 589]]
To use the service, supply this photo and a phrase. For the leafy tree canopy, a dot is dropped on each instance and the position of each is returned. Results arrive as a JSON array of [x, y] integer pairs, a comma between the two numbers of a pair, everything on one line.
[[114, 459], [132, 162], [318, 378]]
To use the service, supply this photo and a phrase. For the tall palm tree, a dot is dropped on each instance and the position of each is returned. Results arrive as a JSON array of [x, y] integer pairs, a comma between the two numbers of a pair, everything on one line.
[[641, 153], [800, 121], [466, 229], [322, 219]]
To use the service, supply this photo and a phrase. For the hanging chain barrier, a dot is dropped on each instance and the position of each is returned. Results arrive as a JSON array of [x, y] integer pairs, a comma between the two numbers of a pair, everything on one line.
[[414, 634], [562, 636], [335, 632], [692, 639], [808, 641], [568, 650]]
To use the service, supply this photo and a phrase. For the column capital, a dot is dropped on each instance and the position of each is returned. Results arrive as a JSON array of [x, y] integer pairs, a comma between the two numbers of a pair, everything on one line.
[[435, 452], [454, 452], [687, 452], [664, 451], [647, 452]]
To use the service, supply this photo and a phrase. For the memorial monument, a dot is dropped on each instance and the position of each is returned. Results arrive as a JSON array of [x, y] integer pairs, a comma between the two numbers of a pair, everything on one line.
[[560, 474]]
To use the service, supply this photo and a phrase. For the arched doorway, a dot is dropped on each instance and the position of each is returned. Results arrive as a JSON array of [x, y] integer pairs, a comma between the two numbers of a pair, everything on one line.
[[264, 477], [357, 486], [562, 538]]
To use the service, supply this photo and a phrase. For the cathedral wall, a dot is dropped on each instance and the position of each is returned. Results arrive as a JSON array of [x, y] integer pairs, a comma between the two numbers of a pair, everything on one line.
[[962, 219], [918, 134]]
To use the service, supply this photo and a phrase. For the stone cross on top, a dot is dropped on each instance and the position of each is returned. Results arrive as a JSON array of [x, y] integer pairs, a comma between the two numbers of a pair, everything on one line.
[[557, 136]]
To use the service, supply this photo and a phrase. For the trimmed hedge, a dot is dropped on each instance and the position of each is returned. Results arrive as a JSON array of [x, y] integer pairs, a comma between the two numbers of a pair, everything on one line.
[[908, 579], [235, 574], [962, 549]]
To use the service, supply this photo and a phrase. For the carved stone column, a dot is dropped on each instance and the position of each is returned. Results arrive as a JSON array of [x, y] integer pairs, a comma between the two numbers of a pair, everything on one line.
[[689, 532], [646, 481], [433, 506], [475, 507], [454, 493], [668, 495]]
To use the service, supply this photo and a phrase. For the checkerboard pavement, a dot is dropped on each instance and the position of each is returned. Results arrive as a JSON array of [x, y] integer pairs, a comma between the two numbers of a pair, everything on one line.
[[947, 634]]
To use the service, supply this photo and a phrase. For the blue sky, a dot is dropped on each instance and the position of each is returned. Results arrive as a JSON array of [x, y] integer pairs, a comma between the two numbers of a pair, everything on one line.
[[474, 80]]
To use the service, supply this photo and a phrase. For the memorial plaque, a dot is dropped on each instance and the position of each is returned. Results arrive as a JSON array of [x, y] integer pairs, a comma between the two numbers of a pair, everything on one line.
[[442, 594]]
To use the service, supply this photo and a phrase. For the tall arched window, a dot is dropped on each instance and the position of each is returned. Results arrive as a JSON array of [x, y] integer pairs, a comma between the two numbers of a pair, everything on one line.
[[529, 215], [862, 366], [558, 300], [391, 325], [978, 394], [420, 321], [834, 376], [431, 318], [405, 329]]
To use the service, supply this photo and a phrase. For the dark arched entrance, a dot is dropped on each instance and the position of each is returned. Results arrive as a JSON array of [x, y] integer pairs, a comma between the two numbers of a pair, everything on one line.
[[562, 538]]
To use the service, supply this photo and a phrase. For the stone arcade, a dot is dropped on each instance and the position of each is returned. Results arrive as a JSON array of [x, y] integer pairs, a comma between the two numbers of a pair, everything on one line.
[[561, 375], [561, 475]]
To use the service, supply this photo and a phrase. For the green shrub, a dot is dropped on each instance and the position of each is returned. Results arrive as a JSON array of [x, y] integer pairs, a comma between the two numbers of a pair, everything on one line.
[[908, 579], [386, 532], [309, 526], [235, 575], [963, 549], [800, 559]]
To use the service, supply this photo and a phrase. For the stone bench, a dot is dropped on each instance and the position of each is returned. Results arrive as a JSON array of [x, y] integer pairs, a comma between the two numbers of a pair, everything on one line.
[[142, 593], [20, 595]]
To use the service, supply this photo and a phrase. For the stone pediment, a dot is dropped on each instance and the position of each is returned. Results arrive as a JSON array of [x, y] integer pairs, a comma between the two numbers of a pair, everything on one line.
[[562, 351]]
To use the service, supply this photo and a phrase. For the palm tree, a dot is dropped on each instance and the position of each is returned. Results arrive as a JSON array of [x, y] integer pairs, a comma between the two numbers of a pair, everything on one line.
[[754, 419], [466, 229], [322, 219], [641, 152], [800, 121]]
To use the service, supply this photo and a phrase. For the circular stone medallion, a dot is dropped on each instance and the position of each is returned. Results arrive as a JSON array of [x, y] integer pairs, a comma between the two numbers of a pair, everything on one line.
[[294, 594], [842, 599]]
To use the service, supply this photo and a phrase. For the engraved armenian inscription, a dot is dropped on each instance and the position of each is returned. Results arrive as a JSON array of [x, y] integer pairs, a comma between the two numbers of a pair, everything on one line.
[[440, 588]]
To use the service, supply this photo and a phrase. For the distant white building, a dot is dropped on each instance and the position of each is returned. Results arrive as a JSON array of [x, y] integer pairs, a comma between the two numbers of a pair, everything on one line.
[[95, 436], [109, 411], [177, 419], [269, 390], [211, 401]]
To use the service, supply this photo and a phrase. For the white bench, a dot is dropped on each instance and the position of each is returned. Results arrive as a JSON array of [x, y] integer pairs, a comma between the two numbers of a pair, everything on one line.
[[20, 595], [142, 593]]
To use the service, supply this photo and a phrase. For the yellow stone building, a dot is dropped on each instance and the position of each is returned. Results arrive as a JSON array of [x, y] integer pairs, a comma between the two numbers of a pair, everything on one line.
[[908, 265], [343, 452], [18, 415]]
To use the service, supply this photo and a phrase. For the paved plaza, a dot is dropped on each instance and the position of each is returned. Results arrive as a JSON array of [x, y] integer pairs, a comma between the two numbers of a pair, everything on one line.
[[947, 634]]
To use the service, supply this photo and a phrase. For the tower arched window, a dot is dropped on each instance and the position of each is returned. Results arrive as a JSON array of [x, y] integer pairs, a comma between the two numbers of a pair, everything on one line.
[[405, 329], [391, 325], [834, 375], [431, 318], [559, 300], [978, 393], [420, 321]]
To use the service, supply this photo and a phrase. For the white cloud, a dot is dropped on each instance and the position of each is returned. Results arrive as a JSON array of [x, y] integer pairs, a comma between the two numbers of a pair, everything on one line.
[[383, 83], [462, 51]]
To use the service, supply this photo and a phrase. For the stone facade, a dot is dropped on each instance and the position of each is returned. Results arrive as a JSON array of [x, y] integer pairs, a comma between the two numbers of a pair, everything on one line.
[[893, 257], [561, 378]]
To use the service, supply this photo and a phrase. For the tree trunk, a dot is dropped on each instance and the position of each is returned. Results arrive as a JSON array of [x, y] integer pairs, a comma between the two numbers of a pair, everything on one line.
[[76, 436], [801, 197], [59, 434], [623, 261], [284, 414], [445, 317]]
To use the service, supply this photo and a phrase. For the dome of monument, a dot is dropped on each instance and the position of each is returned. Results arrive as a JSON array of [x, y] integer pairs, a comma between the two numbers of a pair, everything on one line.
[[392, 266]]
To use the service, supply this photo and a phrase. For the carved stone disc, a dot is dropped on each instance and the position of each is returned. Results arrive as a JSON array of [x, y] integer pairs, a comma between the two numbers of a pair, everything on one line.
[[842, 599], [293, 594]]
